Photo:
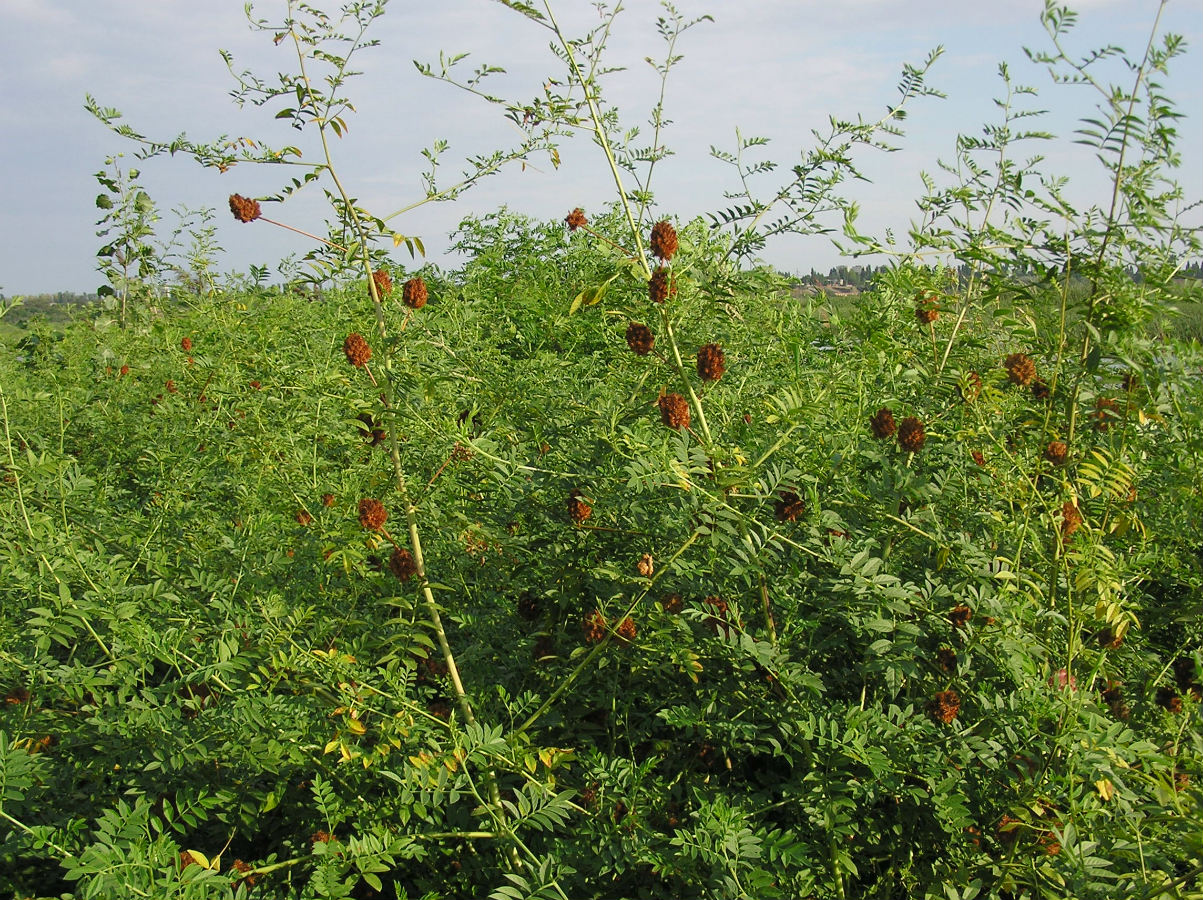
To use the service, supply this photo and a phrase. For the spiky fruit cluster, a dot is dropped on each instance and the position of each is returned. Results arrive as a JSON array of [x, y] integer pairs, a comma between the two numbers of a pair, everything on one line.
[[946, 659], [595, 627], [664, 240], [978, 457], [327, 499], [660, 285], [640, 338], [414, 294], [578, 509], [927, 309], [244, 209], [303, 517], [1056, 452], [1071, 520], [882, 424], [576, 219], [960, 616], [186, 344], [945, 706], [1020, 369], [911, 435], [646, 566], [1040, 389], [626, 631], [1168, 699], [402, 564], [674, 411], [711, 362], [383, 282], [672, 604], [242, 870], [372, 514], [789, 507], [357, 350]]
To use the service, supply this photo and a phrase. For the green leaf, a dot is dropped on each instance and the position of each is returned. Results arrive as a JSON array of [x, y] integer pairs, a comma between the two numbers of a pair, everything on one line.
[[591, 295], [103, 201]]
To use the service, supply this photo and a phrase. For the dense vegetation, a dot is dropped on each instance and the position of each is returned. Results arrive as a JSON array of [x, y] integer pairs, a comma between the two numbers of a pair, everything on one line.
[[605, 567]]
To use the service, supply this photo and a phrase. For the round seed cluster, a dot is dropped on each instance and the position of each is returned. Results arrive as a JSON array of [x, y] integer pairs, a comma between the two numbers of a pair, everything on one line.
[[945, 706], [1040, 389], [674, 411], [711, 362], [928, 308], [303, 517], [595, 627], [626, 631], [1071, 520], [357, 350], [414, 293], [640, 338], [664, 240], [960, 616], [1104, 411], [789, 507], [576, 219], [1020, 369], [882, 424], [402, 564], [186, 344], [384, 283], [646, 566], [244, 209], [578, 509], [672, 603], [971, 387], [372, 514], [911, 435], [1056, 452], [660, 285]]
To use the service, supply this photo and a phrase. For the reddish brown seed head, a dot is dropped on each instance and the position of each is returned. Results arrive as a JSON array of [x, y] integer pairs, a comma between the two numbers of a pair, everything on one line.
[[640, 338], [303, 517], [664, 240], [372, 514], [882, 424], [970, 387], [945, 706], [1071, 520], [626, 631], [646, 566], [660, 286], [576, 219], [402, 564], [711, 362], [244, 209], [1020, 369], [327, 499], [383, 282], [789, 507], [594, 626], [960, 616], [186, 344], [911, 435], [578, 509], [672, 603], [414, 293], [357, 350], [1056, 452], [674, 411], [927, 308]]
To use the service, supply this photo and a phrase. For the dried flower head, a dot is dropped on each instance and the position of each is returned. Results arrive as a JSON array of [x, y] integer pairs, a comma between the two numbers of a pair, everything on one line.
[[576, 219], [357, 350], [1020, 369], [911, 435], [402, 564], [1040, 389], [927, 308], [970, 387], [945, 706], [1056, 452], [1105, 409], [372, 514], [124, 370], [383, 282], [711, 362], [413, 293], [960, 616], [1071, 520], [595, 627], [661, 285], [882, 424], [640, 338], [244, 209], [242, 869], [1168, 699], [664, 240], [674, 411], [672, 603], [303, 517], [626, 631], [1108, 639], [186, 344], [327, 499], [578, 509], [718, 610], [978, 457], [646, 566], [946, 659], [789, 507], [372, 432]]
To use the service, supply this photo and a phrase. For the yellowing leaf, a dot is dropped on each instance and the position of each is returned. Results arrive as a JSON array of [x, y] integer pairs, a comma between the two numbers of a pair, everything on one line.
[[1105, 788], [356, 727]]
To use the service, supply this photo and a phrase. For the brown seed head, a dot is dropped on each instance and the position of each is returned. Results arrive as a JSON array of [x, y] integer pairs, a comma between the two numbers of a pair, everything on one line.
[[414, 294], [1040, 389], [402, 564], [1056, 452], [124, 370], [384, 283], [244, 209], [789, 507], [1169, 700], [911, 435], [357, 350], [674, 411], [664, 240], [672, 603], [660, 286], [978, 457], [303, 517], [372, 514], [718, 610], [626, 631], [960, 616], [927, 308], [186, 344], [946, 658], [945, 706], [882, 424], [711, 362], [576, 219], [646, 566], [1071, 520], [327, 499], [1104, 412], [595, 627], [578, 509], [1020, 369], [640, 338]]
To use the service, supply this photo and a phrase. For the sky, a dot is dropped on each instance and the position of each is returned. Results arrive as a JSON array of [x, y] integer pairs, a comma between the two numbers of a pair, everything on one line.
[[772, 68]]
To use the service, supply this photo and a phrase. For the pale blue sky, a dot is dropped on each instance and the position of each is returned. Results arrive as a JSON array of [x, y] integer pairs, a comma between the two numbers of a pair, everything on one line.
[[771, 67]]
